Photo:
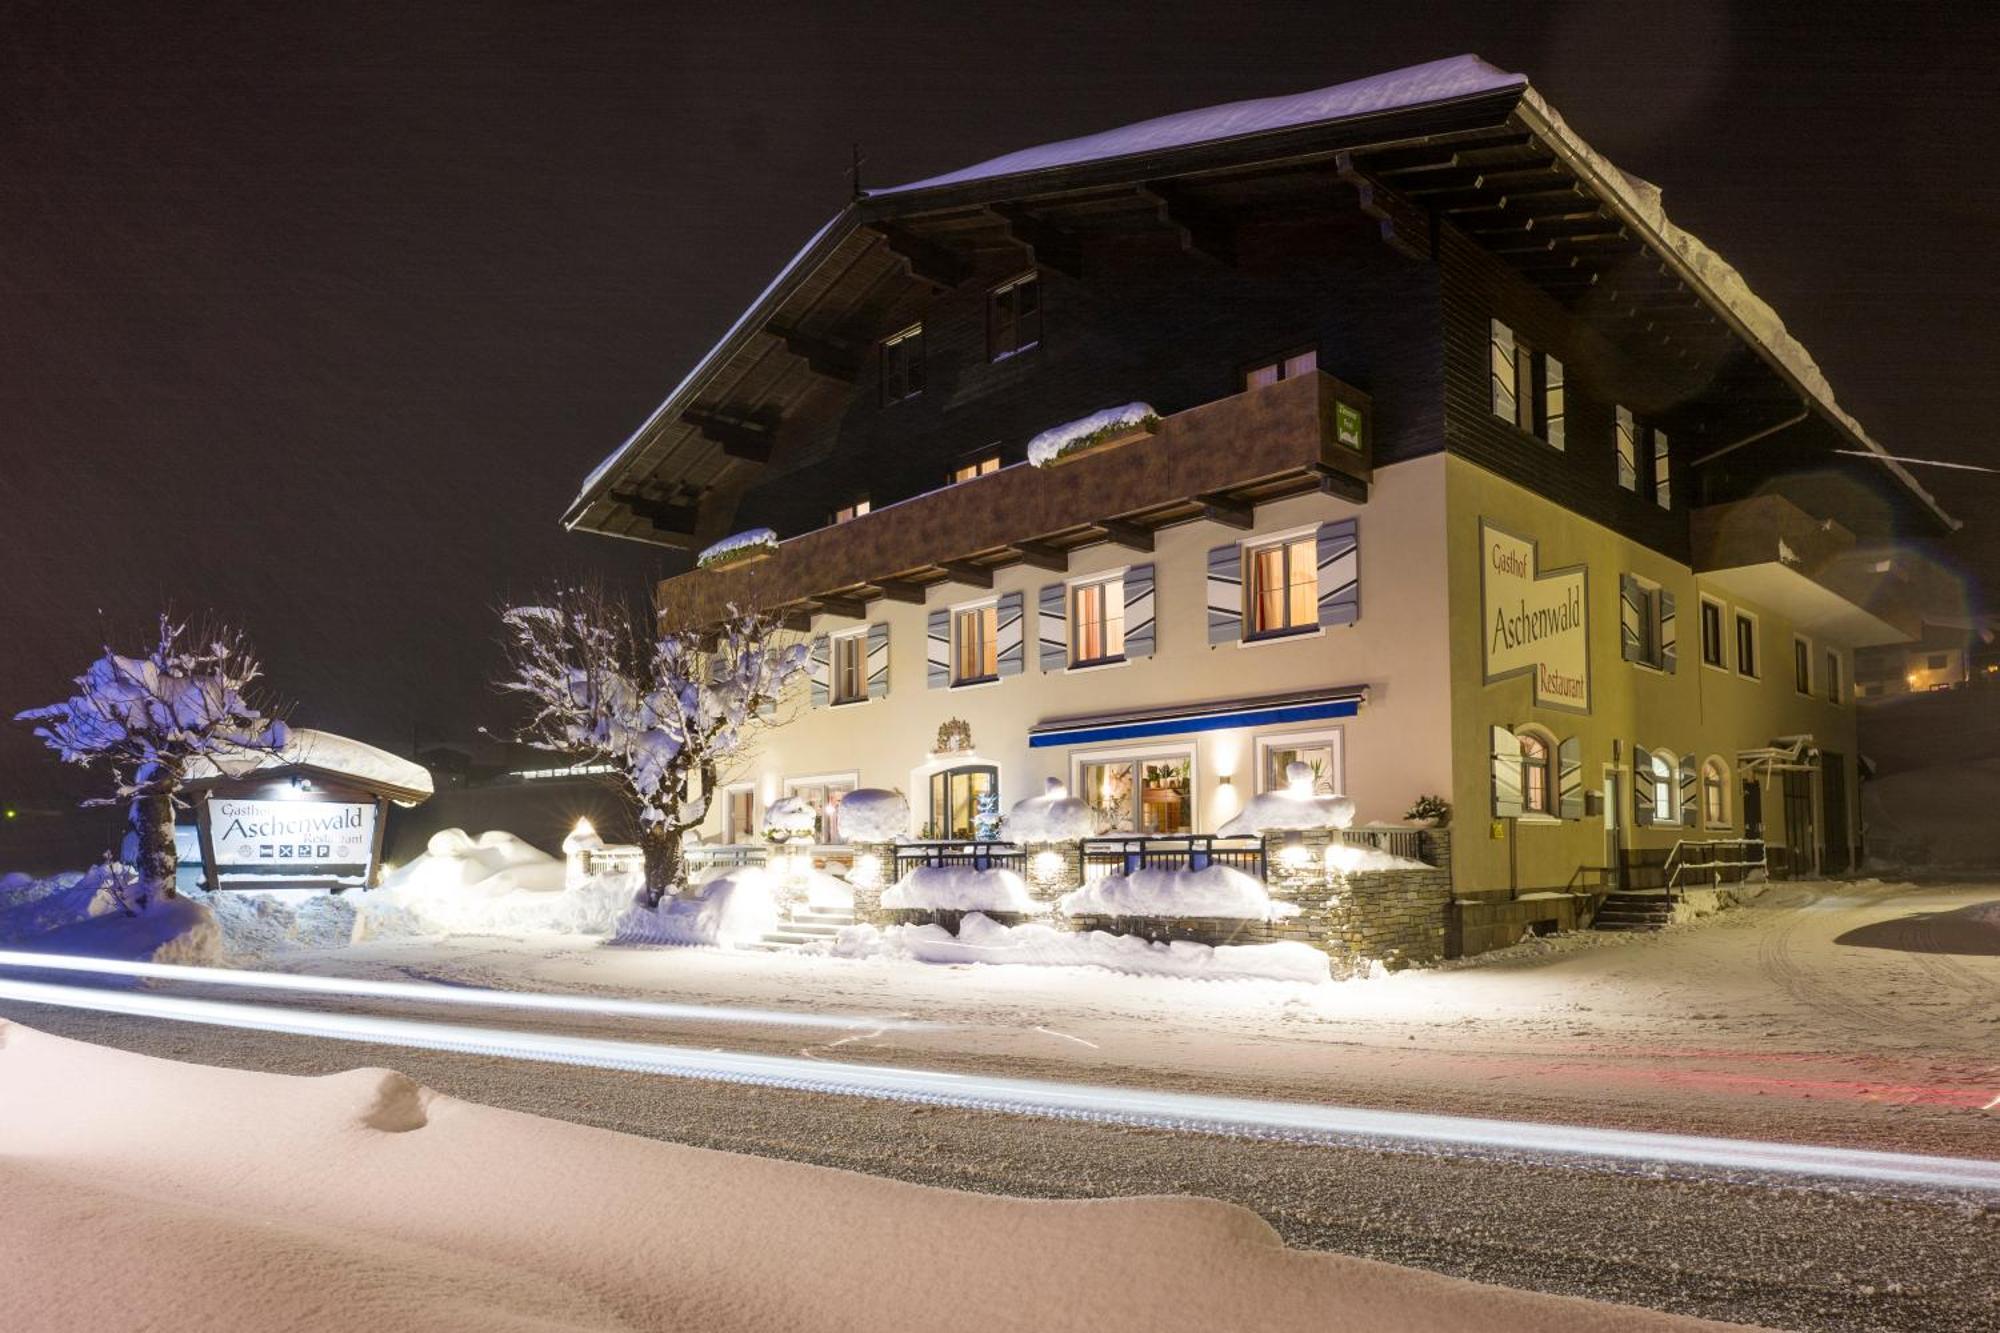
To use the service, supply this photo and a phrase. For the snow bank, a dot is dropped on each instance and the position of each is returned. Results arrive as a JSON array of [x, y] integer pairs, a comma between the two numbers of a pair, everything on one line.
[[874, 814], [1282, 811], [982, 940], [1075, 436], [1054, 816], [365, 1200], [960, 889], [739, 546], [736, 906], [492, 884], [76, 913], [261, 924], [1214, 890], [1348, 860]]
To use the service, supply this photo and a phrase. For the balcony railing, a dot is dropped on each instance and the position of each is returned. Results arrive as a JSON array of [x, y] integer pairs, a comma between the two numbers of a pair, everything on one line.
[[1225, 456]]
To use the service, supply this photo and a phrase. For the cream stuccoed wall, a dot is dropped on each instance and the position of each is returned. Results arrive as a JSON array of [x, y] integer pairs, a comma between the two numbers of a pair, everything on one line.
[[1398, 745], [1699, 709]]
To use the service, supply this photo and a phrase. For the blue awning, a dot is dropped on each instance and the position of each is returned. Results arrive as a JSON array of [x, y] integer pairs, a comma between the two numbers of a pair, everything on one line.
[[1183, 719]]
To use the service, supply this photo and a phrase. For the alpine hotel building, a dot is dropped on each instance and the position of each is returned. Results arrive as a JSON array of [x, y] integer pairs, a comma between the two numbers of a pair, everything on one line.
[[1466, 473]]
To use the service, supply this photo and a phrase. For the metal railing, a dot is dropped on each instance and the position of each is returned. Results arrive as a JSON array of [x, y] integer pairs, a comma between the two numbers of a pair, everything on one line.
[[1121, 855], [1706, 857], [959, 852], [1391, 838], [711, 856]]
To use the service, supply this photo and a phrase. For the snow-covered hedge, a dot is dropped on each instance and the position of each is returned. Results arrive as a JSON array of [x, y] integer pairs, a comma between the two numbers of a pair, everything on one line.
[[874, 814], [1076, 436], [748, 545], [789, 817], [1215, 890], [960, 889], [736, 907], [1054, 816], [983, 940]]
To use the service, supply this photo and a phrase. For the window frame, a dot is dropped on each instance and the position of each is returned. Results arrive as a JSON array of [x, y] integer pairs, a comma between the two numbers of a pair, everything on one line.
[[997, 306], [982, 463], [858, 507], [849, 780], [911, 385], [1136, 759], [1802, 672], [1332, 738], [1652, 644], [987, 609], [1834, 674], [1753, 670], [1546, 766], [1714, 780], [1625, 430], [1663, 464], [1668, 811], [1704, 604], [1111, 587], [735, 835], [1248, 551], [1280, 367], [855, 641]]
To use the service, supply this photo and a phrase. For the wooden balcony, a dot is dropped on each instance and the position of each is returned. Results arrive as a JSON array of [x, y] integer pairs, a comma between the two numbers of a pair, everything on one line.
[[1217, 461], [1769, 551]]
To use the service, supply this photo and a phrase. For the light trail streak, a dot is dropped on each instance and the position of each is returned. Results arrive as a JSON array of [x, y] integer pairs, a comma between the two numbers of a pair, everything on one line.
[[1185, 1112], [448, 995]]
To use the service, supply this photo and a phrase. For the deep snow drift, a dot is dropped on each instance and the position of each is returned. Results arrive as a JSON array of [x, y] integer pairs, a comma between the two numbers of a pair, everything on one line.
[[365, 1200], [960, 889], [492, 884], [1214, 891]]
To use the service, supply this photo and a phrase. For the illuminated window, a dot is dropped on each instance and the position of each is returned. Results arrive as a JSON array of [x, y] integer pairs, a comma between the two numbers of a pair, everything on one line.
[[823, 795], [1715, 794], [978, 467], [1284, 586], [851, 511], [1014, 317], [1666, 804], [850, 667], [975, 644], [1534, 774], [1290, 367], [1143, 795], [1097, 622], [965, 802], [1628, 450], [903, 365]]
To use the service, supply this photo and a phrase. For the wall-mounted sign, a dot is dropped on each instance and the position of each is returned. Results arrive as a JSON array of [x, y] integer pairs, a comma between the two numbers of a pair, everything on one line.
[[1535, 621], [1347, 424], [279, 837]]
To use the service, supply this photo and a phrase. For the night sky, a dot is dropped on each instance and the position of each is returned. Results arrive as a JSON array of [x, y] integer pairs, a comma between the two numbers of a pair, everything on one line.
[[318, 314]]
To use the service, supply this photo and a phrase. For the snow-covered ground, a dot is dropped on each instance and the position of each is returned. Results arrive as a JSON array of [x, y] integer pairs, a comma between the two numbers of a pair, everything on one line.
[[363, 1199]]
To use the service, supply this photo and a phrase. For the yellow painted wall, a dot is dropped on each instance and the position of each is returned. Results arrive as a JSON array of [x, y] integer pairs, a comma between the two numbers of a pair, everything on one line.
[[1696, 709]]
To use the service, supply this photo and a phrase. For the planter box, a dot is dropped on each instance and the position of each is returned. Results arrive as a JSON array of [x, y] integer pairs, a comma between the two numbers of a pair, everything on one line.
[[1105, 445]]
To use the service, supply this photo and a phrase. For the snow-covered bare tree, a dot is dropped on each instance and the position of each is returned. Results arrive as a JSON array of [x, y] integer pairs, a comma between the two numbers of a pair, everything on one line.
[[144, 720], [665, 712]]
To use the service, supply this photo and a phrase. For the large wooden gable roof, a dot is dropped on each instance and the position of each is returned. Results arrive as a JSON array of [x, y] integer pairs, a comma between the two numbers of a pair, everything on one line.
[[1455, 143]]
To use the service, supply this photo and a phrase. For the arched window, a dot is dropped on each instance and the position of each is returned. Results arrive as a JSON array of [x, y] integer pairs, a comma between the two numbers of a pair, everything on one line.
[[1535, 799], [1666, 805], [1715, 793]]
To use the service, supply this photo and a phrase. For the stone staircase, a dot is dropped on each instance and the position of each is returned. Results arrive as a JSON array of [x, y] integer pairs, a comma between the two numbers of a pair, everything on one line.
[[804, 924], [1643, 909]]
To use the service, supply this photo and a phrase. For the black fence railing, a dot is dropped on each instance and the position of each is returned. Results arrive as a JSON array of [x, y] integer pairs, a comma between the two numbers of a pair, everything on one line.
[[974, 855], [1195, 851]]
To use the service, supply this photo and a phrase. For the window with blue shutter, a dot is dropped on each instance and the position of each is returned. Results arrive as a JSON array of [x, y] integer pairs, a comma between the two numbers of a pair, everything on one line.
[[1339, 572], [1139, 622]]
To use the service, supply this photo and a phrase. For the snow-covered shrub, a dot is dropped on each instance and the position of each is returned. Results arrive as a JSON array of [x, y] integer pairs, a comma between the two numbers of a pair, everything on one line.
[[960, 889], [146, 720], [1054, 816], [736, 907], [751, 545], [1292, 807], [1075, 436], [874, 814], [789, 817], [983, 940]]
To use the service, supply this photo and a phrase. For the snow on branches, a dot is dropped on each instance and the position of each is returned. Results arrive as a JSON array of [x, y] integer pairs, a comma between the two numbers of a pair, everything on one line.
[[145, 718], [660, 710]]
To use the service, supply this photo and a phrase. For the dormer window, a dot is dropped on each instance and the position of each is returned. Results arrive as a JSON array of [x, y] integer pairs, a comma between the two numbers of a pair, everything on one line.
[[1284, 368], [903, 365], [1014, 317], [975, 467]]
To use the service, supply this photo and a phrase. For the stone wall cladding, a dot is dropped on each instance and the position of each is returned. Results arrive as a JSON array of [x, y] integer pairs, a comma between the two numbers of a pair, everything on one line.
[[1395, 917]]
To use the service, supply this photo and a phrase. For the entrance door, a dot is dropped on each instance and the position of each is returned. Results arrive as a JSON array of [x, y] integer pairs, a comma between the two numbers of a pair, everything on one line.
[[1753, 809], [1614, 822], [965, 802], [1833, 806], [1799, 839]]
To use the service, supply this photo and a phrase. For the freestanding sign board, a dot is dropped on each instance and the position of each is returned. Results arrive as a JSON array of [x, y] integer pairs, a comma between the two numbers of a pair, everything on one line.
[[290, 839]]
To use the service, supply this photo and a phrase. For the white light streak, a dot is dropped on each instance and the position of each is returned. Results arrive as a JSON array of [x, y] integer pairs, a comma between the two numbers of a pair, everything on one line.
[[448, 995], [1185, 1112], [1918, 462]]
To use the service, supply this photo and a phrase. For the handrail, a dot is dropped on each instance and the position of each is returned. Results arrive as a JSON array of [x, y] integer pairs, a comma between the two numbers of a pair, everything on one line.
[[1676, 863]]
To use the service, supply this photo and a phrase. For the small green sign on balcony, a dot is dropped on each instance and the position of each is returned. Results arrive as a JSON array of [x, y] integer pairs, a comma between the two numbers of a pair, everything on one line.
[[1347, 424]]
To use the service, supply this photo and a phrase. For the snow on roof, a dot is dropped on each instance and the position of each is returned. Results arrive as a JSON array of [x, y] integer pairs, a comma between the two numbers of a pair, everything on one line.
[[332, 754], [1418, 85]]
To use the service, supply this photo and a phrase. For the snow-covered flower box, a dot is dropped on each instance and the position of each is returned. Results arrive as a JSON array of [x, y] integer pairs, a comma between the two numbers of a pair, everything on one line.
[[739, 549], [1108, 429]]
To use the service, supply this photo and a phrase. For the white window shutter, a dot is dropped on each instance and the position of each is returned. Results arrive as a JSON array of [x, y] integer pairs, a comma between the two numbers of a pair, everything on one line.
[[1569, 778], [1668, 653], [1690, 783], [1506, 774], [1631, 619], [1642, 786], [1225, 593], [817, 670], [1139, 622], [1052, 626], [1012, 655], [878, 660], [1339, 572], [937, 650]]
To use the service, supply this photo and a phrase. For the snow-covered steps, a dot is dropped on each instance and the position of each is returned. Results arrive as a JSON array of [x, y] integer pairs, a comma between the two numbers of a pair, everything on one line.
[[1634, 911], [804, 925]]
